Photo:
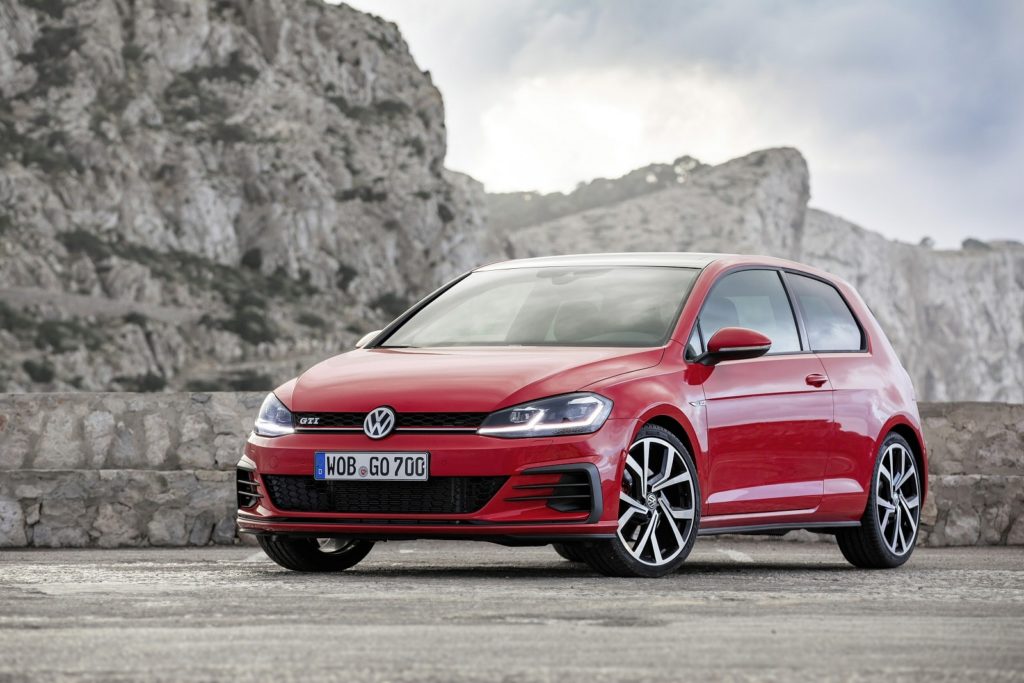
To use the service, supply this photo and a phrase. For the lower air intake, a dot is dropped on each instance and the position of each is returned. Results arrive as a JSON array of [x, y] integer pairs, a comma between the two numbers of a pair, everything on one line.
[[439, 495]]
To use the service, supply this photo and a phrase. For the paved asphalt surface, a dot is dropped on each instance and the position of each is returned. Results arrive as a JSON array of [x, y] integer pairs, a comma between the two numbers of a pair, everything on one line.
[[431, 611]]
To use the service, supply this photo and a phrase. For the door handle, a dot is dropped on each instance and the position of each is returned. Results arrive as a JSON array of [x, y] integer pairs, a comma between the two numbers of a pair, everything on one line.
[[815, 379]]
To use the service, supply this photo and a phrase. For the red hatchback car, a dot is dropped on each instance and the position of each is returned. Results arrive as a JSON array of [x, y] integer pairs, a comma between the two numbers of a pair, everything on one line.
[[614, 405]]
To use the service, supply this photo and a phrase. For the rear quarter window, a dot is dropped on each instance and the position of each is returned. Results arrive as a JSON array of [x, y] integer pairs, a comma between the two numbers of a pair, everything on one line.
[[828, 320]]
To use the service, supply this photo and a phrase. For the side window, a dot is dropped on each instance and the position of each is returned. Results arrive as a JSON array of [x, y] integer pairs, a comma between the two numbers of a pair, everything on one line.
[[754, 299], [829, 322]]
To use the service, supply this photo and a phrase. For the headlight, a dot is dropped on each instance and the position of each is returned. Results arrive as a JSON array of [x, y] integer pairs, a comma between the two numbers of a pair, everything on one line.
[[274, 419], [558, 416]]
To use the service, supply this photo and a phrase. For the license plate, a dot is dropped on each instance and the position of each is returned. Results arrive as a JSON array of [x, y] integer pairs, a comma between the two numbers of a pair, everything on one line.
[[371, 466]]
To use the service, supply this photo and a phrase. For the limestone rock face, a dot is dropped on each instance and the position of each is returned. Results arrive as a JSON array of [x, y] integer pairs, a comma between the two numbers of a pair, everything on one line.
[[213, 193], [955, 317], [216, 194]]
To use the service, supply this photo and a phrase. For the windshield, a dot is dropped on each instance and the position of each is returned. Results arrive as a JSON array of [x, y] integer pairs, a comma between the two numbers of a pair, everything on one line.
[[596, 306]]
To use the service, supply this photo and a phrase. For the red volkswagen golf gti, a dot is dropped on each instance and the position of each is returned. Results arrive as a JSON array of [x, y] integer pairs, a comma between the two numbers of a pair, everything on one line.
[[614, 405]]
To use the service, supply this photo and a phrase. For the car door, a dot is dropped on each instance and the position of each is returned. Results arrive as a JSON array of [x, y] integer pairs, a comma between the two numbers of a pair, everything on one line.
[[769, 418]]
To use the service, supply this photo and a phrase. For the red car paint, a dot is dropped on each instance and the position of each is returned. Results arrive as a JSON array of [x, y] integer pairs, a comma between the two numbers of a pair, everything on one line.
[[779, 441]]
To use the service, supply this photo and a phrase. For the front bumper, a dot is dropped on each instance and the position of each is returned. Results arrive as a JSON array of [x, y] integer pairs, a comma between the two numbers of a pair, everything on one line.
[[525, 509]]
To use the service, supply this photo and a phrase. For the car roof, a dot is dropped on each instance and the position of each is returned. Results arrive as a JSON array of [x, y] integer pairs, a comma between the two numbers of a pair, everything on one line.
[[676, 259], [671, 259]]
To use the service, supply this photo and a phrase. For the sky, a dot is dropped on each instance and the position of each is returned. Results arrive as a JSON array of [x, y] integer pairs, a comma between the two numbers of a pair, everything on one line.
[[910, 114]]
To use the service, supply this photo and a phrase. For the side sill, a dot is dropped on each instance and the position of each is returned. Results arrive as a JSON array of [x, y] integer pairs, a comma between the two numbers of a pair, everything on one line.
[[778, 529]]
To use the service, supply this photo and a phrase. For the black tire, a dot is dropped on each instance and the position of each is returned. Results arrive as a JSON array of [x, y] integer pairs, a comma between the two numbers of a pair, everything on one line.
[[570, 551], [613, 558], [302, 554], [867, 546]]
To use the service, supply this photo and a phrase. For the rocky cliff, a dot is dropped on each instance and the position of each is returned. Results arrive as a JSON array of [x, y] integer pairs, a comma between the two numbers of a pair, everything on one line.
[[956, 317], [213, 193]]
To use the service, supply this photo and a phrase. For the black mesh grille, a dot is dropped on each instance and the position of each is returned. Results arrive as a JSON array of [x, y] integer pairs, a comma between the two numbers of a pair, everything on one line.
[[414, 420], [439, 495], [404, 420]]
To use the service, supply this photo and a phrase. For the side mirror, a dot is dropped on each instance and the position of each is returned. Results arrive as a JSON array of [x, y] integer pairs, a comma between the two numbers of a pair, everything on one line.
[[365, 339], [735, 343]]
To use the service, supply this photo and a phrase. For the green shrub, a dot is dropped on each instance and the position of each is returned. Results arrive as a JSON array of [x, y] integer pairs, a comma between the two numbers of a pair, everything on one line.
[[311, 320], [417, 146], [54, 8], [345, 275], [250, 381], [203, 385], [392, 107], [83, 242], [251, 325], [147, 383], [130, 52], [136, 318], [391, 303], [49, 57], [230, 133], [351, 111], [445, 213], [253, 258], [66, 335], [13, 320], [41, 372]]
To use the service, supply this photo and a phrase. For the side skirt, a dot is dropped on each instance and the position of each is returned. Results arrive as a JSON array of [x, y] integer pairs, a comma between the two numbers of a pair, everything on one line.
[[778, 529]]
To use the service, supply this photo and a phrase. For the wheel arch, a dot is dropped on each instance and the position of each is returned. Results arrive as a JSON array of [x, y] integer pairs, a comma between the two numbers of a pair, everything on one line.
[[672, 425], [901, 425], [670, 418]]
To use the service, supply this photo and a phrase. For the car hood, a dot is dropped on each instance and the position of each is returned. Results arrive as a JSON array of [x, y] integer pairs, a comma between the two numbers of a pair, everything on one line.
[[479, 379]]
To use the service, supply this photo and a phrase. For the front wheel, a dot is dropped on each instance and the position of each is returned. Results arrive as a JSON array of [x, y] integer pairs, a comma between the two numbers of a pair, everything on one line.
[[571, 551], [888, 529], [314, 554], [659, 510]]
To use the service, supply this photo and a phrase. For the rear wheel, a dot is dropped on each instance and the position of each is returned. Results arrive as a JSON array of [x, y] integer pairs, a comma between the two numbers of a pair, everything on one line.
[[570, 551], [314, 554], [888, 529], [659, 510]]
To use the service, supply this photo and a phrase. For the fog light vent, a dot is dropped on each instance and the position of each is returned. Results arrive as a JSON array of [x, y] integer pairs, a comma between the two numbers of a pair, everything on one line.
[[248, 490]]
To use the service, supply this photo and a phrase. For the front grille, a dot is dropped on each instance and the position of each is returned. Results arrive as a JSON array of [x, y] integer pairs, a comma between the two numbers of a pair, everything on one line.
[[440, 495], [403, 420], [416, 420]]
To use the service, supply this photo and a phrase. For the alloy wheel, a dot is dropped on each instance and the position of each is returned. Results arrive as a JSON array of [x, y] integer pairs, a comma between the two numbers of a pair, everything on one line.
[[656, 502], [897, 498], [332, 546]]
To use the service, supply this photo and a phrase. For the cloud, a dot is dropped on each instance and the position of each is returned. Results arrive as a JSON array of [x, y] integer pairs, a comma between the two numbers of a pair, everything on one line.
[[911, 114]]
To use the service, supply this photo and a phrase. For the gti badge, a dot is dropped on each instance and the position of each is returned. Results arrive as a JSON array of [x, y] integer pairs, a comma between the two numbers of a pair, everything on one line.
[[309, 420], [379, 422]]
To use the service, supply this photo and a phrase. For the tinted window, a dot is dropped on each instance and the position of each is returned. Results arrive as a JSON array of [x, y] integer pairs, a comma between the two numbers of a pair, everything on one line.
[[589, 306], [754, 299], [829, 322]]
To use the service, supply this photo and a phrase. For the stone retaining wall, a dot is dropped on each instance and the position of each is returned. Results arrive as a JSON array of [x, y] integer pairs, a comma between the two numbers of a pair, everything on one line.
[[120, 469], [157, 469]]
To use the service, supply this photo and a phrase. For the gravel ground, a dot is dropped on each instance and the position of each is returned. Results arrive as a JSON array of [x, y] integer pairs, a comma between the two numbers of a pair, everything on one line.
[[432, 611]]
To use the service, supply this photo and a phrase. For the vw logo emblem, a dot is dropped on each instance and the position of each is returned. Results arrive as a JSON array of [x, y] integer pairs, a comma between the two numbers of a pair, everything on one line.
[[379, 422]]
